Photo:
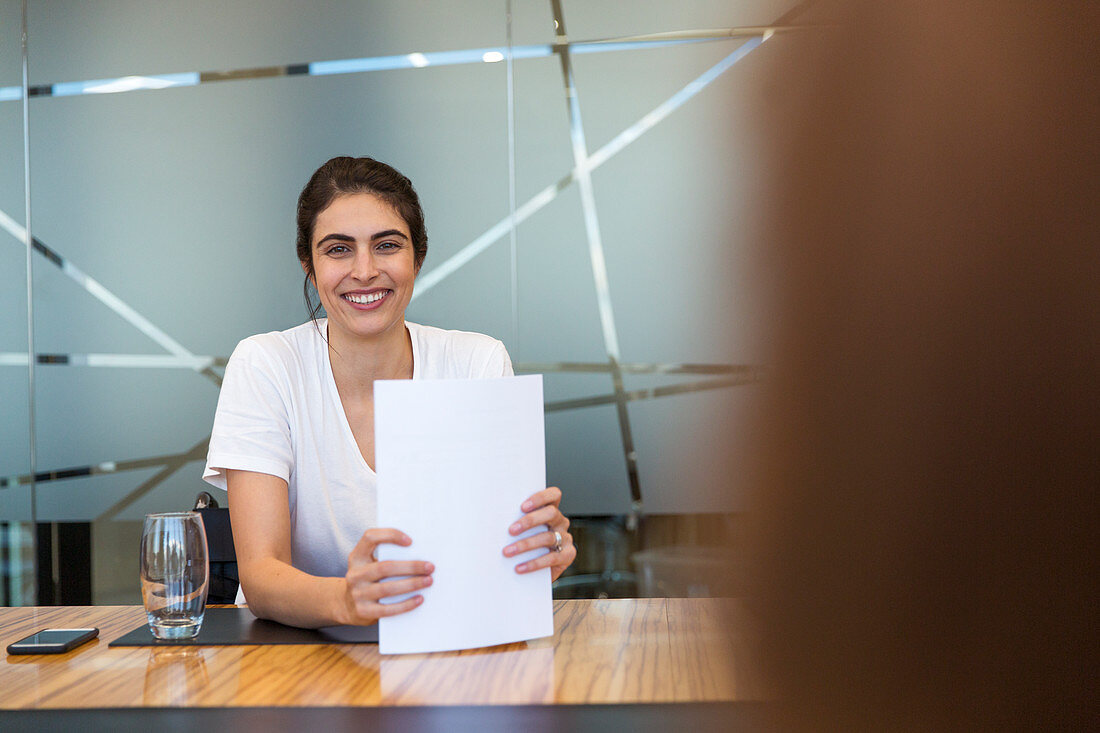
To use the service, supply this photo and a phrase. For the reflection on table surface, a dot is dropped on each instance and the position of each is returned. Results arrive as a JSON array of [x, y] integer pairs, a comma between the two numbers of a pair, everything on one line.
[[171, 672], [603, 651]]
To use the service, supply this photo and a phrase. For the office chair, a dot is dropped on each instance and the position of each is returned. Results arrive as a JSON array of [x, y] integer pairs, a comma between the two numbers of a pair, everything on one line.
[[604, 544], [224, 580]]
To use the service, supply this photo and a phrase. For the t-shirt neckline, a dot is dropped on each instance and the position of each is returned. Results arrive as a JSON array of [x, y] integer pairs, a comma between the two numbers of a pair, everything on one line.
[[334, 394]]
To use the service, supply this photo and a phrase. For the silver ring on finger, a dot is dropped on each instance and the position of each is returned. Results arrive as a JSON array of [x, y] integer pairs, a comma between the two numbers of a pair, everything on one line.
[[557, 542]]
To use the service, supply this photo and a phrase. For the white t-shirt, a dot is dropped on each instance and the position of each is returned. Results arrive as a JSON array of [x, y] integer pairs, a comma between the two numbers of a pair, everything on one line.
[[279, 413]]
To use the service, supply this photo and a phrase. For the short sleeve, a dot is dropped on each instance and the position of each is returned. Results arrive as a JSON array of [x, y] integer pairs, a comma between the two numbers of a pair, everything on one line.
[[499, 364], [252, 423]]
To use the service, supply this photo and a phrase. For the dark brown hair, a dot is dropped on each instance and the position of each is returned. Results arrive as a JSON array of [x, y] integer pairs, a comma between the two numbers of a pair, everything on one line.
[[345, 175]]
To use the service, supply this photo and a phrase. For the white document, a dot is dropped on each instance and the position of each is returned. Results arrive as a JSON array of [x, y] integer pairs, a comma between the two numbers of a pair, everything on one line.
[[455, 459]]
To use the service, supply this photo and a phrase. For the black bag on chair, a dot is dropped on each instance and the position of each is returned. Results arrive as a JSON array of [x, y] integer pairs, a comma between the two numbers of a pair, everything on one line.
[[224, 580]]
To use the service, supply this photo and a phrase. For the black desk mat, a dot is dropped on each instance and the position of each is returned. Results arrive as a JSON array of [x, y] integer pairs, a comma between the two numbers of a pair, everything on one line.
[[230, 626]]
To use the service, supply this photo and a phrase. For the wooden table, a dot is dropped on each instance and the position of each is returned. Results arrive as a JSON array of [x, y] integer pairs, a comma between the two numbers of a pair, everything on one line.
[[603, 651]]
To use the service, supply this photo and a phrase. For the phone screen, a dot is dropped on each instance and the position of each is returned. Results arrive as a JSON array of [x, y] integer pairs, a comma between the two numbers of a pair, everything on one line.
[[51, 637], [52, 640]]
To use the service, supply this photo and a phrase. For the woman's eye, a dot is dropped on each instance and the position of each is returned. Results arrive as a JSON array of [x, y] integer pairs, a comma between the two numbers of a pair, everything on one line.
[[388, 245], [338, 249]]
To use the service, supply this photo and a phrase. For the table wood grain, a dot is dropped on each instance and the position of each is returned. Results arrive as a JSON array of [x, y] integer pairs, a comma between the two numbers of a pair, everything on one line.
[[602, 651]]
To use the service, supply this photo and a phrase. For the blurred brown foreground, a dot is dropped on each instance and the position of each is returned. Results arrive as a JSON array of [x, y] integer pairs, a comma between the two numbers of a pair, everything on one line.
[[925, 501]]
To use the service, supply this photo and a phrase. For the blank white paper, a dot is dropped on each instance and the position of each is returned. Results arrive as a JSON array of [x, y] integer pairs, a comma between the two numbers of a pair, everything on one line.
[[455, 459]]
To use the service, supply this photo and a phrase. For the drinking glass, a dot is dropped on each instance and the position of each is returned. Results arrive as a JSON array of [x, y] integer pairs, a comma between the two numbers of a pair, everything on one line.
[[175, 574]]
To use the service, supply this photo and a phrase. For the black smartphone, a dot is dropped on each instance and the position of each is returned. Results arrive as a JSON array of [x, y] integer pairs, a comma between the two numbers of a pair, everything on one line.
[[52, 641]]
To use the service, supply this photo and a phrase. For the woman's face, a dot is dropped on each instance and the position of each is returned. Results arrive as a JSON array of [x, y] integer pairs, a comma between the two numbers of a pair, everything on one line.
[[363, 266]]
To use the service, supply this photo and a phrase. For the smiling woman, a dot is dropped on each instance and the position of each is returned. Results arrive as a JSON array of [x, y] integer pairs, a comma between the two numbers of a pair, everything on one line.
[[293, 436]]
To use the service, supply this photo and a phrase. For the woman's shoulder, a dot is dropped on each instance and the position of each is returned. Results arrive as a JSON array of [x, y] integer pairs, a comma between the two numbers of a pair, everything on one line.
[[447, 354], [431, 335], [293, 345]]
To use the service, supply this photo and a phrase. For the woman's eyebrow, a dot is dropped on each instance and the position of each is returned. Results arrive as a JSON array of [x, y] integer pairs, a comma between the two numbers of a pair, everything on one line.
[[389, 233], [348, 238], [335, 236]]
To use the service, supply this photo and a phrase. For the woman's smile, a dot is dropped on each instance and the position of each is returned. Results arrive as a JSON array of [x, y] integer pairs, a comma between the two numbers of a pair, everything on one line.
[[366, 300]]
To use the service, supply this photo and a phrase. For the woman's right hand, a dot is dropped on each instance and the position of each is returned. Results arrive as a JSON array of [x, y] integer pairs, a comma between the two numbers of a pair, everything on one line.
[[366, 584]]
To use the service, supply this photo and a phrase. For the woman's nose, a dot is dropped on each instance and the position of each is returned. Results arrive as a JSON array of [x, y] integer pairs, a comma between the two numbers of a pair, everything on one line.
[[364, 266]]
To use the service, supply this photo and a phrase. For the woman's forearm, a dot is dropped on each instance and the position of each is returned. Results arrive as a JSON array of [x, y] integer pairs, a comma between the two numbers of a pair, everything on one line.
[[280, 592], [258, 508]]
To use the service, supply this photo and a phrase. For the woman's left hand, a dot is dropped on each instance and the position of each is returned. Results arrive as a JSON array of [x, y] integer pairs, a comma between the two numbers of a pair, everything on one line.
[[542, 508]]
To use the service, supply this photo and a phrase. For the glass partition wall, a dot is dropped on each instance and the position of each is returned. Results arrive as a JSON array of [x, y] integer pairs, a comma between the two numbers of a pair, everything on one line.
[[586, 169], [17, 559]]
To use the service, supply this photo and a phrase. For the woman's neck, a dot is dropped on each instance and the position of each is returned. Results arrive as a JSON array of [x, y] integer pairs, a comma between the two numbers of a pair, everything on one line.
[[357, 363]]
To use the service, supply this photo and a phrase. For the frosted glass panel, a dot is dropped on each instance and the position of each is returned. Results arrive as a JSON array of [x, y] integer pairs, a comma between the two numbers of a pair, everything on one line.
[[693, 448], [17, 544], [586, 20], [652, 266], [77, 40], [15, 497], [674, 214], [559, 316], [586, 461]]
